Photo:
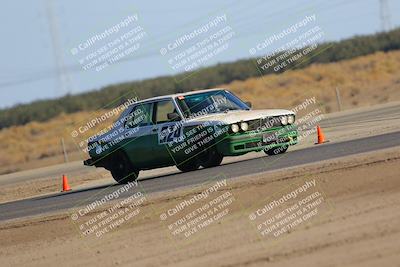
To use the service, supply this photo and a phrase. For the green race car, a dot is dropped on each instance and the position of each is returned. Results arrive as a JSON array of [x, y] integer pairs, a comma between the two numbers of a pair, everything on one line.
[[189, 130]]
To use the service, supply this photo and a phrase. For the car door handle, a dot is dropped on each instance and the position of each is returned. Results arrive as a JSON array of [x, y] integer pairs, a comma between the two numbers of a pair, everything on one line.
[[154, 130]]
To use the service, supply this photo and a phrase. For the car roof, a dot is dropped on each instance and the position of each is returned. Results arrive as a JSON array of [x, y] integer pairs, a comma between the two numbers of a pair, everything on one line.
[[179, 94]]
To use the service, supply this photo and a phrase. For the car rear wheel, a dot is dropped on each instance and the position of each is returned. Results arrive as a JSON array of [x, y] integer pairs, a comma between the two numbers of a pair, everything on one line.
[[189, 165], [276, 150], [211, 158], [122, 169]]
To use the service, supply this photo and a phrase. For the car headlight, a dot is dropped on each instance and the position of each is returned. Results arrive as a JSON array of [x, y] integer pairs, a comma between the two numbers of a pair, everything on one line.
[[244, 126], [290, 119], [235, 128], [284, 120]]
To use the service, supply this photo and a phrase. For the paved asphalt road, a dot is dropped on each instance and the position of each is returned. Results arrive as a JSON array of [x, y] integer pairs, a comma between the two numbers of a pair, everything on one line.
[[379, 114], [64, 201]]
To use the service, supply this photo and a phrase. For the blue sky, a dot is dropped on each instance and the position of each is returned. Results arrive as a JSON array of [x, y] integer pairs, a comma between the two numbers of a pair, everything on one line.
[[37, 36]]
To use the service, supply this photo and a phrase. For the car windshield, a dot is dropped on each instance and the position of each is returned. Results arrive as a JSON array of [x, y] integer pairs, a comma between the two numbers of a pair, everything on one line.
[[209, 102]]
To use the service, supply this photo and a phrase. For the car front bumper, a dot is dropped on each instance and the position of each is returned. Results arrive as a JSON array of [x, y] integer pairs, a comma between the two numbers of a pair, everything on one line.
[[241, 143], [89, 162]]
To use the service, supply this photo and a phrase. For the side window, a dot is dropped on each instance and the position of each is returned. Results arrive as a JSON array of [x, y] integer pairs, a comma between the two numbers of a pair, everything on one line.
[[163, 108], [140, 116]]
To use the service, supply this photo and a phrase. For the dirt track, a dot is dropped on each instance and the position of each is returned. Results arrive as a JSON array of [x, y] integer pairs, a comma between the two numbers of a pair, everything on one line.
[[356, 225]]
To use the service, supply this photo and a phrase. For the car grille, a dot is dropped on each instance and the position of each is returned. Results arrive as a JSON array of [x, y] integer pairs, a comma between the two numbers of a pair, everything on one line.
[[265, 123], [261, 143]]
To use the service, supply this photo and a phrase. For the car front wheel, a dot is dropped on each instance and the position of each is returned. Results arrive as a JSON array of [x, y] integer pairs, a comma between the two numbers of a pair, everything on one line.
[[211, 158], [122, 169], [189, 165]]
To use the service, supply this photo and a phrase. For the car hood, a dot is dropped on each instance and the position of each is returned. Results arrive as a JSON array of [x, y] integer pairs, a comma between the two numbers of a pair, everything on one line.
[[240, 115]]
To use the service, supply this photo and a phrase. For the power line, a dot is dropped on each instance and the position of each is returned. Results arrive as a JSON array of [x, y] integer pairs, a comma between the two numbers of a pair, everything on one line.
[[62, 74], [62, 71]]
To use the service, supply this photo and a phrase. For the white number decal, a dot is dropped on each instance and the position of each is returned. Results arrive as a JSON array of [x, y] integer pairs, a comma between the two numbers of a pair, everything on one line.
[[169, 134]]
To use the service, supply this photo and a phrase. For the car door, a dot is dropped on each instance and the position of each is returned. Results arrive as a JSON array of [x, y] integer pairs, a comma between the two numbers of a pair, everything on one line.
[[139, 140], [168, 131]]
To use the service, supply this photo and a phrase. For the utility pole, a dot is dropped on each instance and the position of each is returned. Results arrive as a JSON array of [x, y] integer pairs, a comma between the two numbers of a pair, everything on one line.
[[386, 24], [63, 76], [64, 151], [338, 99]]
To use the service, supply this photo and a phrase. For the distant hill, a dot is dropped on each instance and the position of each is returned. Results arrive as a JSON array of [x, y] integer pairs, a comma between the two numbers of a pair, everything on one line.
[[205, 78], [362, 81]]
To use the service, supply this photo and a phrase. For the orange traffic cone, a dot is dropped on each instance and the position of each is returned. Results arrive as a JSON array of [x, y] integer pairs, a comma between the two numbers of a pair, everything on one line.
[[321, 136], [65, 184]]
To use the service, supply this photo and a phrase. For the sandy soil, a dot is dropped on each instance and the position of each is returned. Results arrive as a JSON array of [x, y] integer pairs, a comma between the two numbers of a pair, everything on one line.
[[356, 224], [50, 184]]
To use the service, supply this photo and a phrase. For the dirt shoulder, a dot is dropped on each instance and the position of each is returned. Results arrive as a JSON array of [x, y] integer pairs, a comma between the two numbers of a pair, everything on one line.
[[355, 223]]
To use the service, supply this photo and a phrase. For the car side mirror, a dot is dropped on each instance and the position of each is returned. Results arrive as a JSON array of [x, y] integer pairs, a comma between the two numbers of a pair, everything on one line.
[[173, 116], [248, 103]]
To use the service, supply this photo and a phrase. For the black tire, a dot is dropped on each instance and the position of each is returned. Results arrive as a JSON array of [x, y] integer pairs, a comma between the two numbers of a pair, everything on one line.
[[276, 150], [122, 169], [189, 165], [211, 158]]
